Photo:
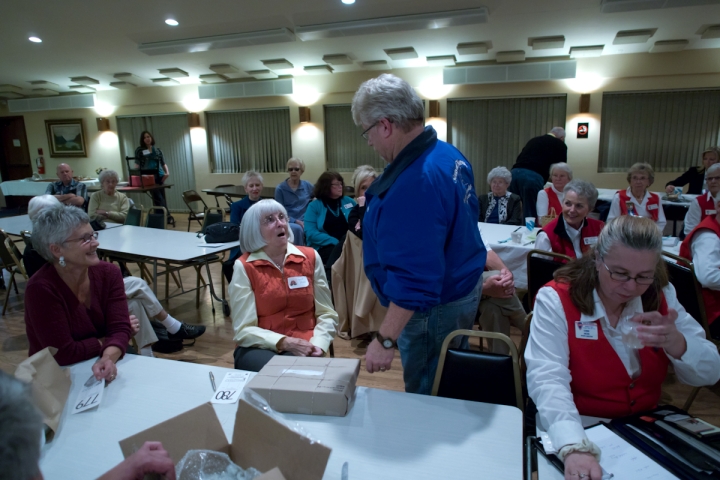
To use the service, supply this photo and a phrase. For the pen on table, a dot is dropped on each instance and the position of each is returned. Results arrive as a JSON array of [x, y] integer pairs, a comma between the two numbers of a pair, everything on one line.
[[528, 243], [517, 229], [212, 381]]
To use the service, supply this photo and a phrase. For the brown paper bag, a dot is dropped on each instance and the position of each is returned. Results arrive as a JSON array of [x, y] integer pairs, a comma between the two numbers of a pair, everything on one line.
[[545, 219], [50, 385]]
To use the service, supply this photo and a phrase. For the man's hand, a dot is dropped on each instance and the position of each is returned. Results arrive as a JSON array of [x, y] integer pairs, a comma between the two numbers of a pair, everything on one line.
[[378, 358]]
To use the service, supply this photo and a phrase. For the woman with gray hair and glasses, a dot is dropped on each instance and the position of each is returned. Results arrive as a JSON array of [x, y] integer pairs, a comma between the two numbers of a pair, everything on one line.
[[108, 203], [279, 296], [602, 337], [499, 205]]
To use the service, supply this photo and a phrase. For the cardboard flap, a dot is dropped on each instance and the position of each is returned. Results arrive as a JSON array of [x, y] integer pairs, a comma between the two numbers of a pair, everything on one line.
[[260, 441], [274, 474], [196, 429]]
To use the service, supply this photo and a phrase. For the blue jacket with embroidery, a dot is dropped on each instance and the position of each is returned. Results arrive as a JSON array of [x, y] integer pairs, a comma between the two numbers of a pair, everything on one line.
[[421, 242]]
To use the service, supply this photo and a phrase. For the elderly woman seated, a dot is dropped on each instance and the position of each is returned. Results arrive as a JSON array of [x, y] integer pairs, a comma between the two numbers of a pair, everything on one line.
[[636, 200], [573, 233], [550, 199], [326, 218], [279, 298], [703, 245], [108, 203], [695, 176], [499, 205], [704, 205], [602, 337], [362, 178]]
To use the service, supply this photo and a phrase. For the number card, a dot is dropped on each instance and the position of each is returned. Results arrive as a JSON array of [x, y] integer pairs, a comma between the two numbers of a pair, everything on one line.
[[229, 389], [90, 396]]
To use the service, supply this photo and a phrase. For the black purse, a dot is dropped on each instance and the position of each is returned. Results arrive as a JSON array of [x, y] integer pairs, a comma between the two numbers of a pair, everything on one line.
[[97, 224], [223, 232]]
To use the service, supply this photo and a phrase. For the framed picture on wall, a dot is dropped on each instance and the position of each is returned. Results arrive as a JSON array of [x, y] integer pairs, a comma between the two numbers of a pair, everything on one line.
[[66, 138]]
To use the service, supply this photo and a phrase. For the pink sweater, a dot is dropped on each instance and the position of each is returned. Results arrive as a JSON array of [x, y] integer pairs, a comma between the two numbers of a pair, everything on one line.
[[54, 317]]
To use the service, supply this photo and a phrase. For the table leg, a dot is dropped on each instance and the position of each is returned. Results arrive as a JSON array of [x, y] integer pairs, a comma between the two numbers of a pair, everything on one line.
[[155, 276]]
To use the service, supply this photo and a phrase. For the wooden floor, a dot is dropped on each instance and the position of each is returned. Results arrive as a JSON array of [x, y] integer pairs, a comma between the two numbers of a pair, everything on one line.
[[215, 347]]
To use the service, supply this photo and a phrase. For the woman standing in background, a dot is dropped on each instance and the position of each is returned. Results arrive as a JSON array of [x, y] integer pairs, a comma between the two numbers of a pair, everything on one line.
[[149, 157]]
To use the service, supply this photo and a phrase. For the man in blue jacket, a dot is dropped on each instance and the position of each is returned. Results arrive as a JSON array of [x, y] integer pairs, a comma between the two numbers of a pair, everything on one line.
[[421, 244]]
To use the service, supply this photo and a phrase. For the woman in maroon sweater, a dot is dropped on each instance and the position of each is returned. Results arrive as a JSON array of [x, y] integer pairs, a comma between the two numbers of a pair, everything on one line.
[[76, 303]]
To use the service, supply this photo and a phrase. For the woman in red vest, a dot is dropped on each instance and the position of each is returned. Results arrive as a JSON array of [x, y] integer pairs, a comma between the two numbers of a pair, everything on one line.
[[636, 200], [704, 204], [580, 360], [279, 296], [703, 243], [573, 233], [551, 197]]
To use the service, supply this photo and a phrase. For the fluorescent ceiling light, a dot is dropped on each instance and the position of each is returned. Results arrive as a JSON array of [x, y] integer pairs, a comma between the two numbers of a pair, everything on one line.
[[401, 53], [669, 46], [173, 72], [122, 85], [586, 51], [10, 88], [203, 44], [475, 48], [44, 92], [35, 39], [404, 23], [213, 78], [348, 2], [338, 59], [262, 74], [627, 37], [224, 69], [10, 95], [712, 31], [278, 64], [318, 69], [165, 82], [615, 6], [511, 56], [441, 60], [84, 81], [82, 89], [126, 77], [376, 65], [44, 84], [172, 22], [543, 43]]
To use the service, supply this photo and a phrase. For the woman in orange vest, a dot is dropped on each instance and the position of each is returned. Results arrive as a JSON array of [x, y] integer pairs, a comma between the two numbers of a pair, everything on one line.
[[279, 296], [704, 204], [572, 233], [636, 200], [587, 352], [551, 198]]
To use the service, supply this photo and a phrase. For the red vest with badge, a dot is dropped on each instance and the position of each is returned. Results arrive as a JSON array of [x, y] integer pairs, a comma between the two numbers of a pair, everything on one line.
[[707, 205], [553, 201], [652, 206], [600, 385], [588, 237], [711, 298], [285, 301]]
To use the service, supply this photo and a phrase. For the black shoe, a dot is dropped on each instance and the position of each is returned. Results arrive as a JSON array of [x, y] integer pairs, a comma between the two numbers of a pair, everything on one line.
[[187, 332]]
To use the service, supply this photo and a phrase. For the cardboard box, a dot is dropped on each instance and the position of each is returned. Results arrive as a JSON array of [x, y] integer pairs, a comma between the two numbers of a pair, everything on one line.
[[135, 181], [258, 441], [309, 385]]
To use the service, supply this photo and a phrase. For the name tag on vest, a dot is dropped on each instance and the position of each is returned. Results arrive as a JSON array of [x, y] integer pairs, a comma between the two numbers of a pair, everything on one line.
[[298, 282], [710, 212], [347, 205], [590, 240], [586, 330], [652, 207]]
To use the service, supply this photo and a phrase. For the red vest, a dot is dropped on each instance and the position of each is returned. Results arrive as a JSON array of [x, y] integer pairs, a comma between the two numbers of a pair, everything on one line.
[[707, 204], [553, 201], [600, 385], [284, 310], [711, 298], [653, 200], [562, 244]]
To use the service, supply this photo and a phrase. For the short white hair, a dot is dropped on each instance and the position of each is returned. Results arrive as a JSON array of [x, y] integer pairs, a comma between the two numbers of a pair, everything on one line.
[[362, 173], [387, 96], [559, 132], [583, 189], [54, 225], [715, 167], [562, 166], [251, 239], [20, 429], [105, 174], [300, 163], [249, 175], [38, 203], [499, 172]]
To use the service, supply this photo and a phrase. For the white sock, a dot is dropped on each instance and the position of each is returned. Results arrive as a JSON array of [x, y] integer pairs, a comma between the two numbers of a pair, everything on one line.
[[147, 351], [172, 325]]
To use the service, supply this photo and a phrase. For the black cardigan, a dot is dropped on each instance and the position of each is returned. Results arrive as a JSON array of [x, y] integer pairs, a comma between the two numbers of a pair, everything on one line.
[[695, 177], [514, 209]]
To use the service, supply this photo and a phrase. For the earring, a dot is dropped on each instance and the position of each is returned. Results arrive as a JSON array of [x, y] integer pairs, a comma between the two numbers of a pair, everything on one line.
[[61, 261]]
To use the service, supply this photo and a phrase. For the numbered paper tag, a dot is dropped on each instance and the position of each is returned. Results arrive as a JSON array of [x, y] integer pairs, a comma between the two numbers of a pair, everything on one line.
[[229, 389], [90, 396], [586, 330], [298, 282], [652, 207], [590, 240]]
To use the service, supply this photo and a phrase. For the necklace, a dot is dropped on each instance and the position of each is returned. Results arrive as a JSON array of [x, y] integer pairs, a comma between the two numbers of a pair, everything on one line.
[[335, 211]]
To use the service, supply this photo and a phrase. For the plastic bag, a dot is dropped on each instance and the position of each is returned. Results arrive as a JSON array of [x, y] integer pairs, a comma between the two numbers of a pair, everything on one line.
[[210, 465]]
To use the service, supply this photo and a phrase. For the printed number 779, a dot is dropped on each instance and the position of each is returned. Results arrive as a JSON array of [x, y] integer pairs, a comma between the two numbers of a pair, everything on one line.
[[90, 401]]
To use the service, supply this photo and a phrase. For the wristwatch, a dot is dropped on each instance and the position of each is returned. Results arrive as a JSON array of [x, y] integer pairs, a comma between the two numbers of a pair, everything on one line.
[[387, 343]]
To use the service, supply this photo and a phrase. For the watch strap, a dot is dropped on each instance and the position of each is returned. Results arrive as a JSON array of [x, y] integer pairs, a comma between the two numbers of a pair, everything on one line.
[[382, 341]]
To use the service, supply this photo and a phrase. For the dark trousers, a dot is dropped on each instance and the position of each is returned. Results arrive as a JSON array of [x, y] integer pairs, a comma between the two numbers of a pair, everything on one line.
[[159, 194], [527, 184], [254, 359]]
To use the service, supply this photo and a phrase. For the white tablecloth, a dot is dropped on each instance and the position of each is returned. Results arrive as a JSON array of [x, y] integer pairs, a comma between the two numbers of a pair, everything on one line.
[[607, 195], [28, 188], [513, 255]]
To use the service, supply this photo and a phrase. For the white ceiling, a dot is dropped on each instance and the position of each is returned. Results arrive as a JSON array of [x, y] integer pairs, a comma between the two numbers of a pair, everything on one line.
[[100, 38]]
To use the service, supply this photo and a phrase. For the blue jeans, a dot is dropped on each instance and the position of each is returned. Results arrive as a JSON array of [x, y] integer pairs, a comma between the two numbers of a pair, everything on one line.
[[421, 340], [298, 234], [527, 184]]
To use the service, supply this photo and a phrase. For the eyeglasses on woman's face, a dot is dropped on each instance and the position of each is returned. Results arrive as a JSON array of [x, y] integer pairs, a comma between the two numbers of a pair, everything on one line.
[[293, 169], [85, 239], [272, 219], [622, 278], [336, 184]]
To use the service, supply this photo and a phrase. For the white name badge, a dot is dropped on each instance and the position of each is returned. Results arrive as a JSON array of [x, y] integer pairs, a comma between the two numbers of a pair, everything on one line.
[[90, 396], [348, 205], [586, 330], [230, 388], [147, 152], [298, 282], [652, 207], [710, 212], [590, 240]]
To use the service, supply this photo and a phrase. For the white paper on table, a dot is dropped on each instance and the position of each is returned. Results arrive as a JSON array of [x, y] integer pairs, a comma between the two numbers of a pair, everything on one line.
[[229, 389], [622, 459], [90, 396]]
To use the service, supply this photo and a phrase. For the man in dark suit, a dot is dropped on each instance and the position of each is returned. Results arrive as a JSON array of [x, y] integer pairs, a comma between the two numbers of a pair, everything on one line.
[[532, 167]]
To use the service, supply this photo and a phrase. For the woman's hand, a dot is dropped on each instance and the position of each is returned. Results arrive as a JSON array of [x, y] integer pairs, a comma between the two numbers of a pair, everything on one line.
[[659, 331], [105, 367], [296, 346], [300, 222], [134, 324], [361, 201], [580, 465], [103, 213], [670, 189]]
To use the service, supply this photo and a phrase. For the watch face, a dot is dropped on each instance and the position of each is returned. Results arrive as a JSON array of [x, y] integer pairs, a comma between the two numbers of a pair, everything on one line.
[[387, 343]]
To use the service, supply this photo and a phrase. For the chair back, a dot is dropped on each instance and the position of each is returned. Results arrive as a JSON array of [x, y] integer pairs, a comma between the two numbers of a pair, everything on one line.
[[27, 238], [156, 217], [524, 341], [212, 215], [5, 257], [688, 289], [134, 217], [540, 270], [15, 254], [479, 376], [191, 196]]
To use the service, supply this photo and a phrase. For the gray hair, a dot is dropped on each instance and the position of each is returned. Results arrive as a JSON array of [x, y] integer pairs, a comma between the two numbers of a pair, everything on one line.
[[559, 132], [249, 175], [21, 427], [715, 167], [362, 173], [562, 166], [295, 160], [38, 203], [499, 172], [251, 238], [54, 225], [637, 233], [106, 174], [583, 189], [642, 168], [387, 96]]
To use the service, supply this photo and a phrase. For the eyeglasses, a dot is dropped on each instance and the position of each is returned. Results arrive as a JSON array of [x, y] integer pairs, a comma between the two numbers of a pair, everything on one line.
[[85, 239], [365, 133], [270, 219], [336, 184], [293, 169], [622, 278]]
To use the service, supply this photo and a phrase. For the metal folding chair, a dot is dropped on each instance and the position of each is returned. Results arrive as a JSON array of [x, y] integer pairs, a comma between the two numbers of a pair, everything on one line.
[[190, 197]]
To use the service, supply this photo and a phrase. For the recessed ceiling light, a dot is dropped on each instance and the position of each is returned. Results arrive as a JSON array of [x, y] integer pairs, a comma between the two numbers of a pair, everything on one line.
[[348, 2], [172, 22], [35, 39]]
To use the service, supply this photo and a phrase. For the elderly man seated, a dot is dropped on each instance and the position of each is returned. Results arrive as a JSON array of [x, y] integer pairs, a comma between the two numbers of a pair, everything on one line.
[[68, 190]]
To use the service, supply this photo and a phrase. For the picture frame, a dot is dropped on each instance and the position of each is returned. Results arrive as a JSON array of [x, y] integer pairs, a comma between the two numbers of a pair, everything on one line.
[[66, 138]]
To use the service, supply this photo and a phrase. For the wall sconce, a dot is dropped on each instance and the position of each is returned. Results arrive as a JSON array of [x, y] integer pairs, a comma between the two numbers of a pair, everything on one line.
[[585, 103], [304, 114], [103, 124], [434, 108], [193, 119]]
